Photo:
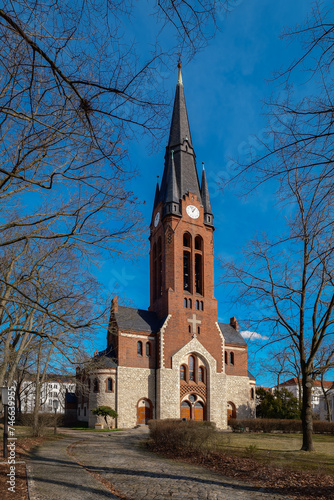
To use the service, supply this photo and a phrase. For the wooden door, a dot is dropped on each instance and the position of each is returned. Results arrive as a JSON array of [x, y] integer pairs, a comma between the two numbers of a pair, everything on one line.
[[143, 413], [231, 410], [185, 410], [198, 411]]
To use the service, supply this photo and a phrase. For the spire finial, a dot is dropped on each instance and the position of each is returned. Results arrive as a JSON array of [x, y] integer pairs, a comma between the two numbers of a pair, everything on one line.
[[179, 65], [203, 165]]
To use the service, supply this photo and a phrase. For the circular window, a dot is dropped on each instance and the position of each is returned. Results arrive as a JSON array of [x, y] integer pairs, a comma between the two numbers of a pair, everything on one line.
[[192, 398]]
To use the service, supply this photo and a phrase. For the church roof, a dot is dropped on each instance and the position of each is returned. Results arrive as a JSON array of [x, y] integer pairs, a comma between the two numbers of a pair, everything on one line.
[[251, 376], [129, 318], [231, 335]]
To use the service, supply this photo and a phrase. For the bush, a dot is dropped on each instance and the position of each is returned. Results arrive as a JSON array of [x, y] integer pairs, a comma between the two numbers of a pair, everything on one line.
[[323, 427], [180, 436], [277, 425], [105, 412]]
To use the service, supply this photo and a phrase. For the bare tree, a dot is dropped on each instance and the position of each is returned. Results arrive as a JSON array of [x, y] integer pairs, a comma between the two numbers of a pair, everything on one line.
[[290, 279], [73, 92], [300, 124]]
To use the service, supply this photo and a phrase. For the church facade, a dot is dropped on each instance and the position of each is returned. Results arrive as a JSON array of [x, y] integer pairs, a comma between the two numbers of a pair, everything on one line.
[[174, 360]]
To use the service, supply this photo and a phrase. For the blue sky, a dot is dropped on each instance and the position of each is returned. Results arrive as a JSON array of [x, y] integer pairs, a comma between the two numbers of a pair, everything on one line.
[[225, 86]]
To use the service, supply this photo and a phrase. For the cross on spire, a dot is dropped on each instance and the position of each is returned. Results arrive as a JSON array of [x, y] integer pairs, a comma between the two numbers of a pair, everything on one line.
[[194, 322]]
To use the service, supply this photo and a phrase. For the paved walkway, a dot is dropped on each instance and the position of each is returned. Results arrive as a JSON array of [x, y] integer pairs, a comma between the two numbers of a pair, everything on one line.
[[95, 466]]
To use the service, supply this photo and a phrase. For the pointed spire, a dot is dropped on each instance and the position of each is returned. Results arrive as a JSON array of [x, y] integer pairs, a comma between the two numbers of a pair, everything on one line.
[[179, 129], [172, 193], [184, 155], [208, 216]]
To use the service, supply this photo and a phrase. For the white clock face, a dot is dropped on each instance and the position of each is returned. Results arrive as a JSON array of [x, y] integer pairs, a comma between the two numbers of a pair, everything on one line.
[[192, 211], [156, 219]]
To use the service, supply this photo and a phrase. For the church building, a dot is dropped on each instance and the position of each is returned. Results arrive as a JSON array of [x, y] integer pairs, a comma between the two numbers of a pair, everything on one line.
[[174, 360]]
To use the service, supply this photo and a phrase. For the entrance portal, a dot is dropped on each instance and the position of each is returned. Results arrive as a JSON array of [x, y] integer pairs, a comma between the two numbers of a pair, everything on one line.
[[143, 412], [193, 408]]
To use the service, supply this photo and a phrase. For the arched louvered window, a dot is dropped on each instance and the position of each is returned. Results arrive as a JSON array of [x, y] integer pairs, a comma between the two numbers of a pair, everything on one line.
[[198, 243], [187, 240], [159, 264], [198, 274], [186, 271]]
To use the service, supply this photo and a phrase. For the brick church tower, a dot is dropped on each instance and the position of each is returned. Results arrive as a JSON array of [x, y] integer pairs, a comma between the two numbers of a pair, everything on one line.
[[174, 359]]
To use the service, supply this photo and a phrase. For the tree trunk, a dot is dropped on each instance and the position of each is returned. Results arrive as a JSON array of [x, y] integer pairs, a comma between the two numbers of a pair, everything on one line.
[[307, 414], [327, 404], [35, 425]]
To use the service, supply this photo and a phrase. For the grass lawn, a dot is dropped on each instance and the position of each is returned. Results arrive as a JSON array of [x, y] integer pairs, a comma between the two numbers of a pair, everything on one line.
[[280, 450]]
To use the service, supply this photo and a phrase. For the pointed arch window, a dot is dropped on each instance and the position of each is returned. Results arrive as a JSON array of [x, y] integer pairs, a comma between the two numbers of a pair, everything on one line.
[[148, 349], [139, 348], [197, 304], [182, 373], [232, 358], [96, 385], [191, 368], [201, 374]]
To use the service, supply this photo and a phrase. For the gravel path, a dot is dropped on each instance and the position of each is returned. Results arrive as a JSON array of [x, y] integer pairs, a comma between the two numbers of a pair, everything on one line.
[[116, 466]]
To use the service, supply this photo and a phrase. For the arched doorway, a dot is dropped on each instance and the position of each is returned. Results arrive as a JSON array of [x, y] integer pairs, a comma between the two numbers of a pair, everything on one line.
[[185, 410], [198, 411], [144, 411], [193, 408], [231, 410]]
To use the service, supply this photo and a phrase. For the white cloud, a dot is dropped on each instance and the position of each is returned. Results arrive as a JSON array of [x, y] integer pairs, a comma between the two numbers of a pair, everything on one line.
[[253, 335]]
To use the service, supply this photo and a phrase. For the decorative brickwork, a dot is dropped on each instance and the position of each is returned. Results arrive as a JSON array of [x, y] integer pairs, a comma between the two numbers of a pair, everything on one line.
[[195, 389], [180, 328]]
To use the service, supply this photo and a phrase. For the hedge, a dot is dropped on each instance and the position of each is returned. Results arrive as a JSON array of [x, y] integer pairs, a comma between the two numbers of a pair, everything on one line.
[[277, 425]]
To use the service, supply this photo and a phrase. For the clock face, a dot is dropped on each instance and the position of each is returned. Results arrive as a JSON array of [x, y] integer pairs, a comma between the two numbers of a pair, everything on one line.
[[192, 211], [156, 219]]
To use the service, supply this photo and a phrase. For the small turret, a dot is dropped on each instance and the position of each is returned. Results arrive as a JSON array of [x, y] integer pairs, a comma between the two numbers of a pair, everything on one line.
[[208, 215], [172, 201]]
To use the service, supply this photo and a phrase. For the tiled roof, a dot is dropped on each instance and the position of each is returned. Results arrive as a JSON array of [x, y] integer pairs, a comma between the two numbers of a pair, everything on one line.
[[251, 376], [231, 335], [139, 320], [293, 381]]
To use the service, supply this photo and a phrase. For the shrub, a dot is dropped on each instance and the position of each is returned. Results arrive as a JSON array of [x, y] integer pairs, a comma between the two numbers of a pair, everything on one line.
[[180, 436], [105, 411], [323, 427]]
